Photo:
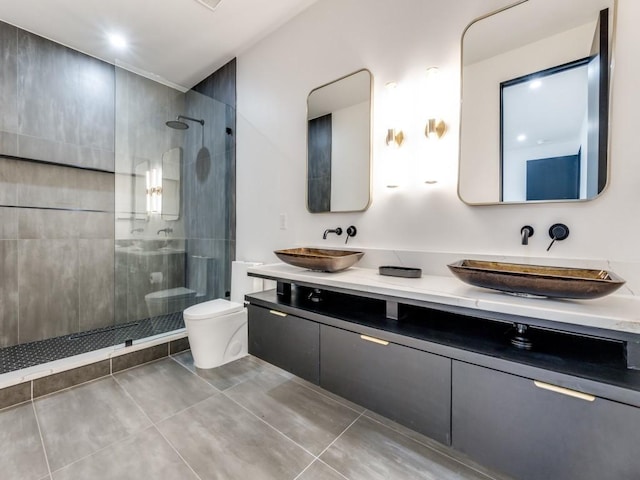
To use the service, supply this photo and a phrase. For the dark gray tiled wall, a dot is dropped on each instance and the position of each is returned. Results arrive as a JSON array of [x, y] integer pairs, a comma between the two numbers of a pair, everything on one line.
[[56, 104], [8, 291], [56, 265]]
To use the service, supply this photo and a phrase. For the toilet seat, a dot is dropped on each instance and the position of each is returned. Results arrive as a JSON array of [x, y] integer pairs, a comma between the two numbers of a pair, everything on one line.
[[211, 309]]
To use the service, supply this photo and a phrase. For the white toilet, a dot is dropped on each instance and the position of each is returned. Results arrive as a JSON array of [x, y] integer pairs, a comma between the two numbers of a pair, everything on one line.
[[217, 329]]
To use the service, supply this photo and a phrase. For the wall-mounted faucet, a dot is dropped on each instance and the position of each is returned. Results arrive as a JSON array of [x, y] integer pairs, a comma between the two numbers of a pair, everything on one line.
[[351, 232], [166, 231], [557, 231], [337, 231], [526, 232]]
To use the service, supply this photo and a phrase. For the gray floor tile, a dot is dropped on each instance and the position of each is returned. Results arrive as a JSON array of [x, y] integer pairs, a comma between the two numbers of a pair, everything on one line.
[[418, 437], [221, 440], [163, 388], [337, 398], [308, 418], [144, 455], [320, 471], [79, 421], [21, 453], [228, 375], [369, 451]]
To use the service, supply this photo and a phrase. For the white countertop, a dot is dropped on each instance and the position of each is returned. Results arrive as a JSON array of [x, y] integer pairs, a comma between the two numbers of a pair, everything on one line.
[[615, 312]]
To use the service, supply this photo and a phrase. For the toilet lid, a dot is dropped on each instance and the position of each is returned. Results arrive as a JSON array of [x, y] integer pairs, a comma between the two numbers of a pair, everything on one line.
[[211, 309]]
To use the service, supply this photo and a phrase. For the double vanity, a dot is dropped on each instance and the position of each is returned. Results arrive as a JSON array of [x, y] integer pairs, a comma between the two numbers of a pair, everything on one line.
[[436, 355]]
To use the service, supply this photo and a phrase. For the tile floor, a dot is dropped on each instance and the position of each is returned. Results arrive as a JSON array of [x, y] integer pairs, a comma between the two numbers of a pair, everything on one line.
[[246, 420]]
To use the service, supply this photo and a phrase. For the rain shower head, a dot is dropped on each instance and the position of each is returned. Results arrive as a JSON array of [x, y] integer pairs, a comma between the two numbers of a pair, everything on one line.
[[177, 124]]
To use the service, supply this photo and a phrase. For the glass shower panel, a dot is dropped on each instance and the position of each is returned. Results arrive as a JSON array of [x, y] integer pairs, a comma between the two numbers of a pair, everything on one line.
[[173, 202]]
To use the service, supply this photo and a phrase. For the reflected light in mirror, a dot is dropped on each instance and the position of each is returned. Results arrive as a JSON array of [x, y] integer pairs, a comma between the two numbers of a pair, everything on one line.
[[154, 190]]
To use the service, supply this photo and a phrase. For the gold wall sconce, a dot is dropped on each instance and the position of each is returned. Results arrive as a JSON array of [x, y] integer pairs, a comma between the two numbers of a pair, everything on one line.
[[394, 138], [435, 128]]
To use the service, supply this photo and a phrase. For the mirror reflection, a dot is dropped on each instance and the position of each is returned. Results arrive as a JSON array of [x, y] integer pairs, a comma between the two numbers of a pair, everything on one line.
[[171, 162], [535, 92], [338, 145], [140, 190]]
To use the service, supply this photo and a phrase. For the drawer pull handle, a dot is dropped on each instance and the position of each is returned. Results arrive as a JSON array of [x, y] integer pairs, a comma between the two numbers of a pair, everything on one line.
[[374, 340], [564, 391], [280, 314]]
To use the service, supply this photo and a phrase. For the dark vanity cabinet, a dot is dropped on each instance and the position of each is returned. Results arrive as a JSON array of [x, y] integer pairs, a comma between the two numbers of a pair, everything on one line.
[[567, 409], [287, 341], [531, 430], [404, 384]]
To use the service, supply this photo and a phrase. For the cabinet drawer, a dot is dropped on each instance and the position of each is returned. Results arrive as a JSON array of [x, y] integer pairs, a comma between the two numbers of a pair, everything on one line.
[[287, 341], [533, 430], [406, 385]]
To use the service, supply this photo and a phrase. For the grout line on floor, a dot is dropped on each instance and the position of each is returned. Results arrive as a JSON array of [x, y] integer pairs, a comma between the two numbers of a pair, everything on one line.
[[339, 400], [342, 433], [169, 416], [130, 397], [324, 463], [268, 424], [294, 378], [199, 377], [439, 451], [177, 452], [124, 439], [44, 449], [332, 468]]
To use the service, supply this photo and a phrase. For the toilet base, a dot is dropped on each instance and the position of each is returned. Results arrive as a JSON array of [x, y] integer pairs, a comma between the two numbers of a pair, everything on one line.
[[217, 341]]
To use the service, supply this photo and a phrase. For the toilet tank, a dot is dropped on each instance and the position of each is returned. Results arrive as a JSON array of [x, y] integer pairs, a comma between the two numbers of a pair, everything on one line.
[[241, 283]]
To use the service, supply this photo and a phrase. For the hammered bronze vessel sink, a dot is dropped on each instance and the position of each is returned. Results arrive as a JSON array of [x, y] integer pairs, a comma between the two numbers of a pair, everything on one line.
[[319, 259], [537, 280]]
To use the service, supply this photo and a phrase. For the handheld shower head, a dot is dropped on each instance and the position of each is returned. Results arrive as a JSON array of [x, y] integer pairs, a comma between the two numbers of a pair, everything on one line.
[[179, 125]]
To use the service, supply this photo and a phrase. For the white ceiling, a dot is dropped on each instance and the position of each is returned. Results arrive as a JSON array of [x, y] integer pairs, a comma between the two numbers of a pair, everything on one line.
[[179, 42]]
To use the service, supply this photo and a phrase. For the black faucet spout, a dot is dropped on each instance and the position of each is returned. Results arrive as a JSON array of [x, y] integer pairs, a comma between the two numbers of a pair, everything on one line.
[[337, 231], [526, 232]]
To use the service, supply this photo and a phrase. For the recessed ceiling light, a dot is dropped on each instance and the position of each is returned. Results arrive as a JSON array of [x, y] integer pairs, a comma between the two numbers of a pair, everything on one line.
[[521, 138], [210, 4], [535, 84], [117, 40]]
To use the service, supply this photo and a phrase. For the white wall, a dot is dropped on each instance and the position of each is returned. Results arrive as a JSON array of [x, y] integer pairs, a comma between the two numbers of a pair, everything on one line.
[[349, 156], [397, 42]]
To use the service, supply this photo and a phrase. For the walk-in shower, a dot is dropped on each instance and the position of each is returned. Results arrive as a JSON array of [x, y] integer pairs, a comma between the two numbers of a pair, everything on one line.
[[91, 269]]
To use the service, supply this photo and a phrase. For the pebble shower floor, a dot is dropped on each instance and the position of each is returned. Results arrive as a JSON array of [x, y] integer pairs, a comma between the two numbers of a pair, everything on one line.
[[30, 354]]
